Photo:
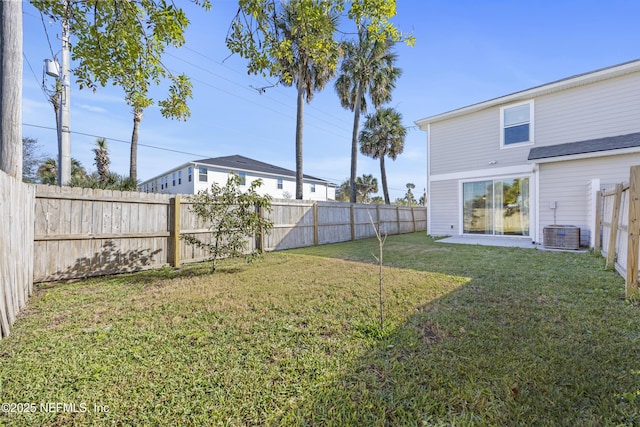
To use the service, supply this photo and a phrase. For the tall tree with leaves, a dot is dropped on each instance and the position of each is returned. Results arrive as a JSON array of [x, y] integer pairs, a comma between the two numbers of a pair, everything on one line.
[[383, 136], [30, 160], [367, 70], [299, 49], [122, 42], [257, 34]]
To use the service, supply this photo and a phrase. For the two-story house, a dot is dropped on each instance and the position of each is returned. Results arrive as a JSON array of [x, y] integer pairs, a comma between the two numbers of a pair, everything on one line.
[[513, 165], [279, 183]]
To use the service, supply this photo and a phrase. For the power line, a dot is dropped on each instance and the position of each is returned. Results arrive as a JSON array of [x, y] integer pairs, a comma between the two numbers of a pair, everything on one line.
[[46, 33], [155, 147], [40, 85], [251, 100], [120, 140], [222, 64]]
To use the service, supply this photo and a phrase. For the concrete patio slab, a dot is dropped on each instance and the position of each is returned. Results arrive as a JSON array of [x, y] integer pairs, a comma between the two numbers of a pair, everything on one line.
[[515, 242]]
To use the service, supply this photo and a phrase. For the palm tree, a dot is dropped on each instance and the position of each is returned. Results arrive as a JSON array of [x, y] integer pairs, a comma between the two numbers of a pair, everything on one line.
[[383, 136], [102, 158], [411, 200], [305, 69], [366, 184], [48, 171], [367, 69], [343, 191]]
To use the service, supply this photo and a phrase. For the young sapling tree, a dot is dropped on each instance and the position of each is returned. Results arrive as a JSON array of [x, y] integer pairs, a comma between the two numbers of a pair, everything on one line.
[[233, 217]]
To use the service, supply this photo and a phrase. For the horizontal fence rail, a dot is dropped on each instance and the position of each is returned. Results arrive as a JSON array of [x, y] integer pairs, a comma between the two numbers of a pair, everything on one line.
[[85, 232]]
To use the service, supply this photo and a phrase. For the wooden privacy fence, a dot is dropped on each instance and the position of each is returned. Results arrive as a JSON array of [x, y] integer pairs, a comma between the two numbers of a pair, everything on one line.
[[300, 224], [16, 248], [85, 232], [619, 220]]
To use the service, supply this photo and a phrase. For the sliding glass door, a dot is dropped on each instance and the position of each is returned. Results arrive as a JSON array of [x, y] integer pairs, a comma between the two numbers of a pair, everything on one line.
[[496, 207]]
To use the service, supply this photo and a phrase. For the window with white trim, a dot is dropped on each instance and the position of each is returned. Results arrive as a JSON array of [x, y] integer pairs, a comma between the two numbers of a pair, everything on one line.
[[516, 122], [202, 174], [313, 187], [280, 183]]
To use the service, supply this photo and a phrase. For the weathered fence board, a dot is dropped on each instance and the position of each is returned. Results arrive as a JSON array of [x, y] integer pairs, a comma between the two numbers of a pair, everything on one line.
[[17, 210], [82, 232]]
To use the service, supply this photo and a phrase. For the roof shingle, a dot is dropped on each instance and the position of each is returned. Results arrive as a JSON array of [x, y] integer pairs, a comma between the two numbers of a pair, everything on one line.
[[237, 162], [588, 146]]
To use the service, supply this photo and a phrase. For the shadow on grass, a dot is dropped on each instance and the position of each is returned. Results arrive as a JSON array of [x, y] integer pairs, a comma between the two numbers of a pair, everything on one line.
[[534, 338]]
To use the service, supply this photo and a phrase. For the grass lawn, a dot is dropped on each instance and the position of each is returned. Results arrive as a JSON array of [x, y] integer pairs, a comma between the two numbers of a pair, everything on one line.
[[473, 336]]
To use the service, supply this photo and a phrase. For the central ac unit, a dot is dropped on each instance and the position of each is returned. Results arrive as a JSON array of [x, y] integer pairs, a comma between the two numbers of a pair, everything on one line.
[[561, 237]]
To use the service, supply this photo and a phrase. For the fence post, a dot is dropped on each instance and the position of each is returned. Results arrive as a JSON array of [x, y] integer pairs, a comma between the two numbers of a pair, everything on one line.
[[413, 219], [315, 225], [598, 230], [613, 234], [398, 218], [633, 230], [260, 239], [174, 232], [352, 214]]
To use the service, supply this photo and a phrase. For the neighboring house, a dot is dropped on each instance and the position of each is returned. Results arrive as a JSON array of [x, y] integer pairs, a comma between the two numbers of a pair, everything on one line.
[[197, 175], [513, 165]]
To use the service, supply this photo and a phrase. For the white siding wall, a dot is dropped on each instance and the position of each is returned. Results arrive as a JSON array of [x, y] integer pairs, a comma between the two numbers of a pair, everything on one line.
[[606, 108], [568, 183], [269, 185], [472, 143], [444, 212]]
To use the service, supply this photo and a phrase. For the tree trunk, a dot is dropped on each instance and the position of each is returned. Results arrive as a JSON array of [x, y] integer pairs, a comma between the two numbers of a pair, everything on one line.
[[11, 88], [383, 177], [299, 128], [354, 146], [133, 160]]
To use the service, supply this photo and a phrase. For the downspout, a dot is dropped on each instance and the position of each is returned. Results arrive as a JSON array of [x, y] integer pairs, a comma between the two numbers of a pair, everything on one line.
[[428, 191], [536, 207]]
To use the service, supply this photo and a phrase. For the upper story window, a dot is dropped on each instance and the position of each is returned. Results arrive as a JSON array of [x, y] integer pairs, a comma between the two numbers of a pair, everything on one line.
[[190, 172], [202, 174], [516, 122], [243, 178], [179, 177], [280, 183], [313, 187], [173, 179]]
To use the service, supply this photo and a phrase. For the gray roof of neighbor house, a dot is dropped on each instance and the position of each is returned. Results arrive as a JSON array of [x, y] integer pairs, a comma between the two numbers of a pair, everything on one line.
[[237, 162], [589, 146]]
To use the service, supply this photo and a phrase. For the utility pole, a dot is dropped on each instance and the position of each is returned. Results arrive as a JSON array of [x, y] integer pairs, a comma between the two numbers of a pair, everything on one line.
[[64, 135], [11, 88]]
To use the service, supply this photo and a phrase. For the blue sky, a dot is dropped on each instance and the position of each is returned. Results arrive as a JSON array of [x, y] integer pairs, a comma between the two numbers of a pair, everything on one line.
[[466, 52]]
